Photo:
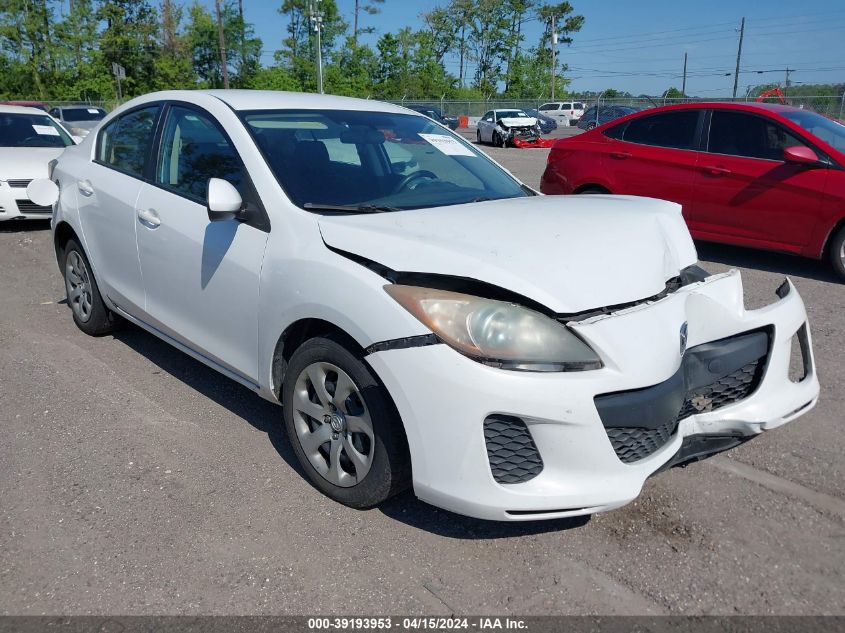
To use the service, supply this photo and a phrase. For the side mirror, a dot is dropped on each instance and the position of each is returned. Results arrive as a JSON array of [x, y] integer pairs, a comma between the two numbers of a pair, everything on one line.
[[43, 192], [223, 200], [801, 155]]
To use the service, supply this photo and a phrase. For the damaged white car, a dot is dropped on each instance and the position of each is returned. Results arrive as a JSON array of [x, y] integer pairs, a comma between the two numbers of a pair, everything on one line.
[[424, 318], [501, 127]]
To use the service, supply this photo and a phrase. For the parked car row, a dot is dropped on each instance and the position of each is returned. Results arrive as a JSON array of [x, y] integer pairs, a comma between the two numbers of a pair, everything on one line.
[[425, 318]]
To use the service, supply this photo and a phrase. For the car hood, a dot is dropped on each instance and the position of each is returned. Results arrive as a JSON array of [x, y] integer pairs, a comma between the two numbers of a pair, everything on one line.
[[26, 162], [519, 121], [569, 254]]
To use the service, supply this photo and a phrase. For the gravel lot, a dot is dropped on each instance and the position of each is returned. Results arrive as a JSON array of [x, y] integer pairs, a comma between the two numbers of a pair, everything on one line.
[[134, 480]]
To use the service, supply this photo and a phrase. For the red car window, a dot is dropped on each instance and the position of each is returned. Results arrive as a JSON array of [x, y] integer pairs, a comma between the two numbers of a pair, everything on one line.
[[740, 134]]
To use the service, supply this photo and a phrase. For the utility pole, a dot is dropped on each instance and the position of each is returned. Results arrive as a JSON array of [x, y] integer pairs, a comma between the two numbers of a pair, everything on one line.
[[553, 27], [684, 84], [224, 64], [739, 54], [316, 17], [786, 83]]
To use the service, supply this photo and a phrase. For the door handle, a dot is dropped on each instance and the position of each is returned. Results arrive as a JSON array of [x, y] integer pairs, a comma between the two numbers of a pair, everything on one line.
[[85, 187], [717, 171], [620, 155], [149, 218]]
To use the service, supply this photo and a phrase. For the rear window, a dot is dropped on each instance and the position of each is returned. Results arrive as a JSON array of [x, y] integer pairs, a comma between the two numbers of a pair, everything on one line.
[[82, 114], [578, 106]]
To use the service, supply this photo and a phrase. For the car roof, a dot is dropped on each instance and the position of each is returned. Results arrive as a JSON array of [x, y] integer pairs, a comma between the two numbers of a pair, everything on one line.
[[727, 105], [79, 106], [241, 99], [16, 109]]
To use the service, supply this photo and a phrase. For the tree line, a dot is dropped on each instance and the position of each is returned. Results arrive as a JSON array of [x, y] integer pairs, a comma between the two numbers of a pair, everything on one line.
[[461, 49]]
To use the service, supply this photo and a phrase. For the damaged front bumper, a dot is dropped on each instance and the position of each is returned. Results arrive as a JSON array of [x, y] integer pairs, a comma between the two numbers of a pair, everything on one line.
[[508, 445]]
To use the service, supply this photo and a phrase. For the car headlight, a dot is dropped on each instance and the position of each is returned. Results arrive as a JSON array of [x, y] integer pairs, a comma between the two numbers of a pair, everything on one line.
[[496, 333]]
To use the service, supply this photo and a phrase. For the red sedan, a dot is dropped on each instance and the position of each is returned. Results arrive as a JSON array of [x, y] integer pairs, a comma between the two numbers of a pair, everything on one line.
[[760, 175]]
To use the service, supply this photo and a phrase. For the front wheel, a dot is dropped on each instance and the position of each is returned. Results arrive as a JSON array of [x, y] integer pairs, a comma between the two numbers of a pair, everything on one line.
[[836, 252], [83, 296], [342, 425], [478, 136]]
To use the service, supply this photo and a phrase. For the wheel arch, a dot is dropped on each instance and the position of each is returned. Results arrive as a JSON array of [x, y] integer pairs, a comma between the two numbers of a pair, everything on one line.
[[837, 226], [591, 185], [294, 335], [62, 233]]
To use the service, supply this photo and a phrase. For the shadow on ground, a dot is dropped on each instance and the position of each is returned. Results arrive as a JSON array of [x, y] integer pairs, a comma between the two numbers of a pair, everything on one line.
[[24, 226], [782, 263], [266, 417]]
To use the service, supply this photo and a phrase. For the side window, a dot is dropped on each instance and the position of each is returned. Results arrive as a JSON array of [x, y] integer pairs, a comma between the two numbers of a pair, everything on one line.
[[617, 131], [548, 106], [669, 129], [740, 134], [193, 149], [488, 116], [123, 143], [566, 106], [55, 113]]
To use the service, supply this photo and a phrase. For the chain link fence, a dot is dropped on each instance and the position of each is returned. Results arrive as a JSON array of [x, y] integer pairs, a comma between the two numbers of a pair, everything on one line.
[[829, 105]]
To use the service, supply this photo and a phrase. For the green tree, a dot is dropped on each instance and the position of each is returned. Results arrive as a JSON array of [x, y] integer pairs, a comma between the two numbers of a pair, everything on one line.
[[130, 38]]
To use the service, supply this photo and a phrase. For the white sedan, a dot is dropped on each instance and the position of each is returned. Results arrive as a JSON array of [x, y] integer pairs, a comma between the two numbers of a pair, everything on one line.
[[499, 127], [424, 318], [29, 140]]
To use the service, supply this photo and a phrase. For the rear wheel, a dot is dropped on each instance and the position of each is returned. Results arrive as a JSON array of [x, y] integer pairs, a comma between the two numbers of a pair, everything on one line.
[[478, 136], [83, 296], [836, 252], [342, 425]]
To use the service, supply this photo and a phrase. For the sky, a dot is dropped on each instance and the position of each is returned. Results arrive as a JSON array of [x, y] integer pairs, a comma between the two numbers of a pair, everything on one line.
[[638, 45]]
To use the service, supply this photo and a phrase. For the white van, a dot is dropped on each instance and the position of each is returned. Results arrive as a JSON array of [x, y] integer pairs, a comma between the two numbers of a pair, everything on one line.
[[564, 112]]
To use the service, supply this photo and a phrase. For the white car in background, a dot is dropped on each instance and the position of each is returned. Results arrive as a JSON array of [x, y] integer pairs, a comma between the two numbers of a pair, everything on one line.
[[564, 112], [500, 126], [29, 140], [424, 318], [79, 119]]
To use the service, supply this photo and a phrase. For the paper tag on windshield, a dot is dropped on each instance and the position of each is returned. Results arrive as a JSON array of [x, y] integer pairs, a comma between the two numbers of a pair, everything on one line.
[[45, 130], [447, 144], [93, 111]]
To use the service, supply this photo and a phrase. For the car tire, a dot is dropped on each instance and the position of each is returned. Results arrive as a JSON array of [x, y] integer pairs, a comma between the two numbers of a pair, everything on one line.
[[478, 136], [591, 125], [836, 252], [593, 191], [353, 450], [83, 295]]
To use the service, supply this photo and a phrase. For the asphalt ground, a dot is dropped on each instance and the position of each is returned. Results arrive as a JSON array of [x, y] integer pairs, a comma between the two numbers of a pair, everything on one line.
[[134, 480]]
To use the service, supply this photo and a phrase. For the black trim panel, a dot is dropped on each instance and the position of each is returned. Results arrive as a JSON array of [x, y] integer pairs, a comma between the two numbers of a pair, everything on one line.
[[421, 340]]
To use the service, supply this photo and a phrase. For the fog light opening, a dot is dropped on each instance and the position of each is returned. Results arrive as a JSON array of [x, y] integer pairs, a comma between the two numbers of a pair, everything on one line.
[[799, 355]]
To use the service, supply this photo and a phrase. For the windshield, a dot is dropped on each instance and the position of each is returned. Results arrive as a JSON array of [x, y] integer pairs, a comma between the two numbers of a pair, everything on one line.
[[82, 114], [374, 160], [31, 130], [511, 114], [829, 131]]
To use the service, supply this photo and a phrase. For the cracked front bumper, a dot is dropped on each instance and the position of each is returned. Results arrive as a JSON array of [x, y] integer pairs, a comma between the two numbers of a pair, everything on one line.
[[444, 399]]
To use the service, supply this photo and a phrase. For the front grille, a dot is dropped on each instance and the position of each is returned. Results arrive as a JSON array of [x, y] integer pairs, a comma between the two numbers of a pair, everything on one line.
[[27, 206], [635, 443], [639, 422], [513, 456], [19, 184]]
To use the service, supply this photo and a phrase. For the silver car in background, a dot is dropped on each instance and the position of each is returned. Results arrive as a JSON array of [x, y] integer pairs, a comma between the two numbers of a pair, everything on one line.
[[79, 119]]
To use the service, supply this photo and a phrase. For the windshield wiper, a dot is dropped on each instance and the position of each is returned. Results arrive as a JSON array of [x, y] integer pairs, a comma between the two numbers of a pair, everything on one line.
[[350, 208]]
